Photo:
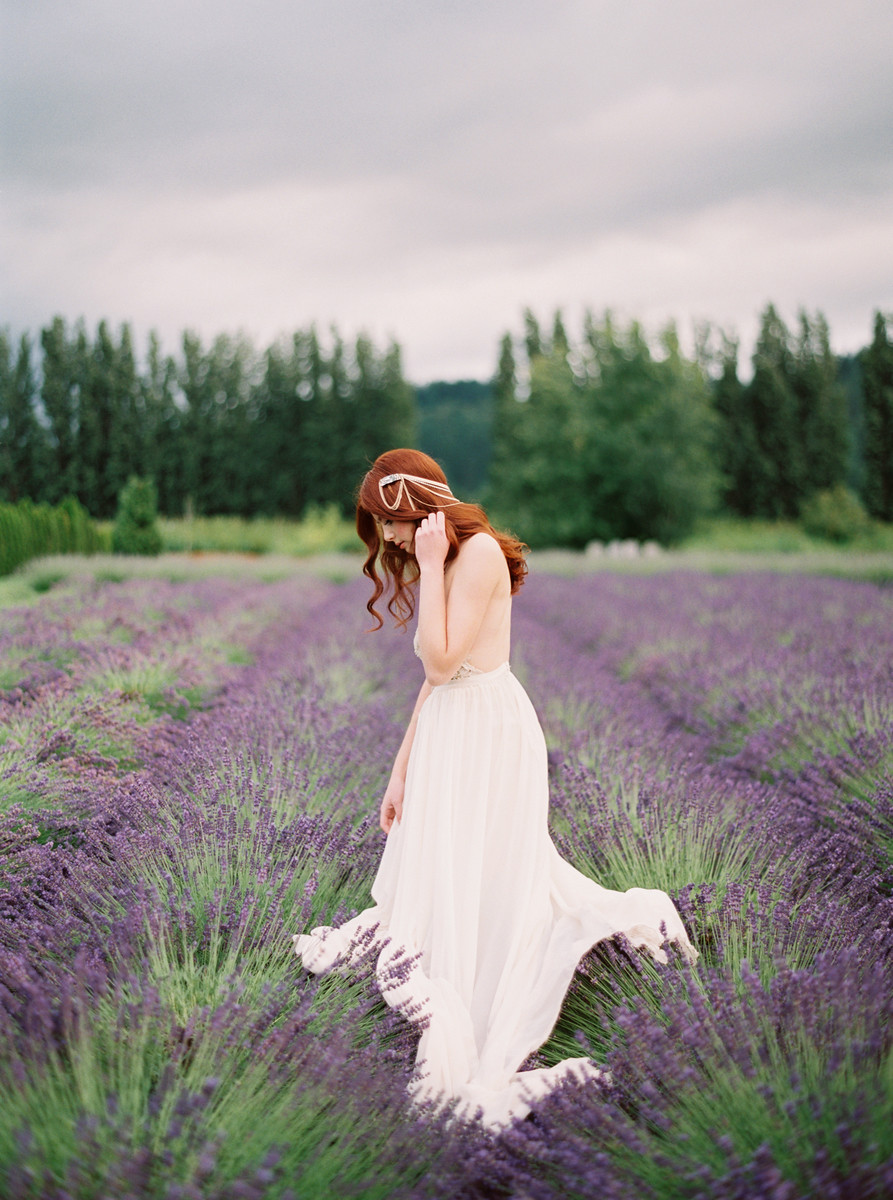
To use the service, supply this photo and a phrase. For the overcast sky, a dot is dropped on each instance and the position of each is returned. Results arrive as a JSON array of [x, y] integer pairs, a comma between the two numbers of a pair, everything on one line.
[[425, 169]]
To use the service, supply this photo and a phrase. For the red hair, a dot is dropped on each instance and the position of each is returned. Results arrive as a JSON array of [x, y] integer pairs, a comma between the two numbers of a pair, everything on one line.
[[413, 502]]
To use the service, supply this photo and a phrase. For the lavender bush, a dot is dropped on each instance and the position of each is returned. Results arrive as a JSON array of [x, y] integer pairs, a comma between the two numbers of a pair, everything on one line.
[[190, 772]]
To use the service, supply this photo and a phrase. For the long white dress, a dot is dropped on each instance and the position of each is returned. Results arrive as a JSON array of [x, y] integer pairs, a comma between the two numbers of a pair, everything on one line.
[[471, 887]]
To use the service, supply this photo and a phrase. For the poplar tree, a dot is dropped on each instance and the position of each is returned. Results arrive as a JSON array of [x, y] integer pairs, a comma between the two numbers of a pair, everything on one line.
[[877, 375], [560, 341], [383, 407], [92, 426], [278, 434], [533, 338], [736, 445], [823, 416], [60, 392], [229, 388], [163, 443], [22, 439], [778, 468], [116, 393], [197, 425], [327, 421]]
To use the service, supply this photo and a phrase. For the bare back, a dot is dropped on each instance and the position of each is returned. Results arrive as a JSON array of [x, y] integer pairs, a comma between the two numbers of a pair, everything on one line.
[[492, 642]]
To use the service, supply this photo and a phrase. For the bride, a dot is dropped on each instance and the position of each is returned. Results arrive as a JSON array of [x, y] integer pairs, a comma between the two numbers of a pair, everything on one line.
[[478, 920]]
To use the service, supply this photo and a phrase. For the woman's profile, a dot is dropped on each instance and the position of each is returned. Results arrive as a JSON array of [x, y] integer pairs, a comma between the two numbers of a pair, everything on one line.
[[480, 921]]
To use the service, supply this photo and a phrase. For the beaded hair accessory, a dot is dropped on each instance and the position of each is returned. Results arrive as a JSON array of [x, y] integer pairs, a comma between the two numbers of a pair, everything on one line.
[[444, 498]]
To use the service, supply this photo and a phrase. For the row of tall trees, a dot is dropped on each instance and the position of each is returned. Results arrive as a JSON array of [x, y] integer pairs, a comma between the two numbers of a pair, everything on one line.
[[221, 428], [614, 436], [611, 434]]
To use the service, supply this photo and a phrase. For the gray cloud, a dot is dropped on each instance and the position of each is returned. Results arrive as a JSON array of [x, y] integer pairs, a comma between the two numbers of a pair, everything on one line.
[[287, 160]]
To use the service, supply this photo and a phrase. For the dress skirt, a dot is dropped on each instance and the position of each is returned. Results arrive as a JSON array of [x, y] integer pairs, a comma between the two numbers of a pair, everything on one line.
[[481, 921]]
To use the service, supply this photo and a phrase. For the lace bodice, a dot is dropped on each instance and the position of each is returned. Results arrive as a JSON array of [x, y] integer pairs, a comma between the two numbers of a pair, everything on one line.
[[462, 671]]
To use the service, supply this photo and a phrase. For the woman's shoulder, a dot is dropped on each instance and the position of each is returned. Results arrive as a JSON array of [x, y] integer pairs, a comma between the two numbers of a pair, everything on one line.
[[481, 553], [481, 546]]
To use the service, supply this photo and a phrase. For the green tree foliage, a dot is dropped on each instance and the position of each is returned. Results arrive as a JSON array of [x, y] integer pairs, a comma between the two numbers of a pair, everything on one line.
[[136, 522], [219, 388], [786, 434], [163, 442], [737, 446], [110, 430], [614, 424], [503, 449], [323, 415], [59, 395], [877, 371], [379, 401], [822, 407], [533, 338], [548, 491], [653, 469], [611, 441], [849, 376], [777, 470], [23, 444], [222, 429], [455, 428]]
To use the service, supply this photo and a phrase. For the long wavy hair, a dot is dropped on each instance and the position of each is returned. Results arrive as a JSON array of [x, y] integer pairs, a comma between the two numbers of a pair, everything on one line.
[[413, 502]]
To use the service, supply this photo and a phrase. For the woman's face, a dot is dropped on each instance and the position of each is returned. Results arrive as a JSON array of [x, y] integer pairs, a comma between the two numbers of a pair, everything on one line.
[[401, 533]]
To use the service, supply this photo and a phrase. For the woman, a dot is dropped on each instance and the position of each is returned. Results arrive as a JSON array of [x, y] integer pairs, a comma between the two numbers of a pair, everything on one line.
[[482, 923]]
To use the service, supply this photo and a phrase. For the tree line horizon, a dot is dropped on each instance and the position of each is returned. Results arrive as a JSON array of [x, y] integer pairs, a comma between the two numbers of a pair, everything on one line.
[[611, 434]]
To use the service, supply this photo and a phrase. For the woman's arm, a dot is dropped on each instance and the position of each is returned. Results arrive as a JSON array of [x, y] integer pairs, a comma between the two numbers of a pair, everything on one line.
[[446, 634], [392, 804]]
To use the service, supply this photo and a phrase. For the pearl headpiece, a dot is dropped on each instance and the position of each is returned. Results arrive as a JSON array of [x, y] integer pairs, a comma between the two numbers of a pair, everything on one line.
[[444, 498]]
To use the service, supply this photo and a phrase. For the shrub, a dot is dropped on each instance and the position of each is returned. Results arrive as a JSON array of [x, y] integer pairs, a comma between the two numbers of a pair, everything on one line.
[[135, 530], [835, 514], [29, 530]]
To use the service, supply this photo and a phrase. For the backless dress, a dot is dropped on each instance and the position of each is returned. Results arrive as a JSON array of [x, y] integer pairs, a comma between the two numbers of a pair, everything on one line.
[[480, 922]]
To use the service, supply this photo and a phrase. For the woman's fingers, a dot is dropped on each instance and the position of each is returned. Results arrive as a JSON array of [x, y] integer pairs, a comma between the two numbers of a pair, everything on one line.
[[389, 812], [431, 542], [432, 525]]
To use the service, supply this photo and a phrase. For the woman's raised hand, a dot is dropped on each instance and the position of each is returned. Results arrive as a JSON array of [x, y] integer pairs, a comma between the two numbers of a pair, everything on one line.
[[431, 542]]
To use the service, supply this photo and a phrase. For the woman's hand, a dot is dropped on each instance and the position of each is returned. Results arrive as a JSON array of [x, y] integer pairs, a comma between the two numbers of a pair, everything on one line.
[[392, 804], [431, 542]]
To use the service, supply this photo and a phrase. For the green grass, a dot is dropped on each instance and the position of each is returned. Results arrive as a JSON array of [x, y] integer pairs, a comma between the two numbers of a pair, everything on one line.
[[725, 545], [17, 592], [755, 536], [73, 570], [873, 567], [326, 545], [321, 531]]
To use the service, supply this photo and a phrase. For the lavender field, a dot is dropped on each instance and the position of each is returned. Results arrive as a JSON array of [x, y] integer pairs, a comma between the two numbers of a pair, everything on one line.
[[190, 772]]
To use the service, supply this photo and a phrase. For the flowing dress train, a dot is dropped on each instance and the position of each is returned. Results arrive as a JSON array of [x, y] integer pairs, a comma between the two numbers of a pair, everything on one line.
[[472, 888]]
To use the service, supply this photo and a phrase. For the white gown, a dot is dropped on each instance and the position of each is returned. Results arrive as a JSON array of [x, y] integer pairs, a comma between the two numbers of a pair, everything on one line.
[[471, 886]]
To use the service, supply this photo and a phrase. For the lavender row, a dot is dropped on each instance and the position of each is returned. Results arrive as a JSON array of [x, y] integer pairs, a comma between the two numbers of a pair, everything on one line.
[[724, 739]]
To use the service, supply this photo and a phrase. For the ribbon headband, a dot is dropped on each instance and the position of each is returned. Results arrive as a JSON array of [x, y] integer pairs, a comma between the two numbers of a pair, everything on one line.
[[444, 497]]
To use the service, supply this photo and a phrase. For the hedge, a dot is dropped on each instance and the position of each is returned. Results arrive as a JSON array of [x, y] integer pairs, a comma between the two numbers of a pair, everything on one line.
[[29, 530]]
